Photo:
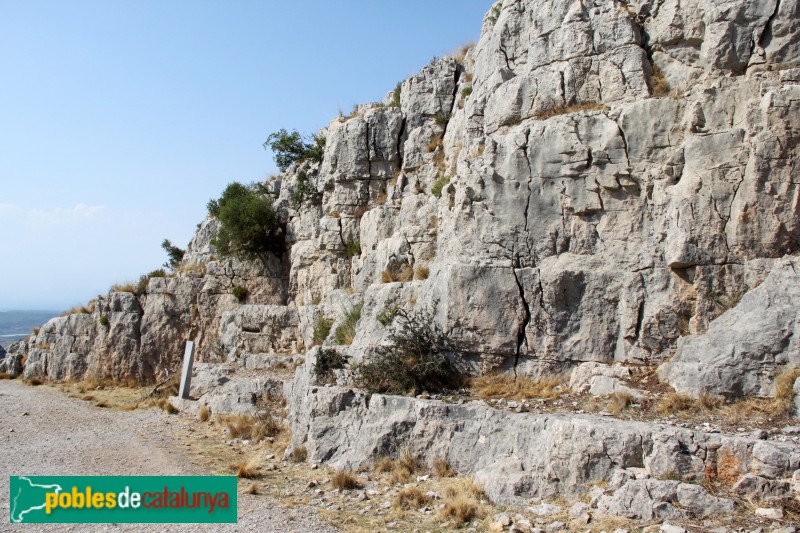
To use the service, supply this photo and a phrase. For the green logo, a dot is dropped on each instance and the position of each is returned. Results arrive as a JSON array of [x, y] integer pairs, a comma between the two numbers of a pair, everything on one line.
[[122, 499]]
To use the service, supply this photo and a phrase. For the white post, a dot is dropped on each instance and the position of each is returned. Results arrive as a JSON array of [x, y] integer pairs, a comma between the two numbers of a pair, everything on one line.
[[186, 376]]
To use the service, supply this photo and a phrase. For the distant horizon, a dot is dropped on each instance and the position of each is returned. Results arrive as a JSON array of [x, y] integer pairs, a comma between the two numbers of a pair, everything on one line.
[[121, 120]]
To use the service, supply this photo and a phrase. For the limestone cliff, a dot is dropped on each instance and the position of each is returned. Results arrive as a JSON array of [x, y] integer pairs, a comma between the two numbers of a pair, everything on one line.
[[593, 181]]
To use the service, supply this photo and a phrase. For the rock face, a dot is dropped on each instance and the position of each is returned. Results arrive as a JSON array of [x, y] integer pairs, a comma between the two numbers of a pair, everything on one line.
[[746, 347], [592, 186], [518, 456]]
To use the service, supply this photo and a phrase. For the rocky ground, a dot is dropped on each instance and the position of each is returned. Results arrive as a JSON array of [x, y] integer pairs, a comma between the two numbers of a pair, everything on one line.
[[44, 432], [301, 495]]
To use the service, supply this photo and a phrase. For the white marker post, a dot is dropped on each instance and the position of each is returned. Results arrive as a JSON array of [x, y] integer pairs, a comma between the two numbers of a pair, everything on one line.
[[186, 377]]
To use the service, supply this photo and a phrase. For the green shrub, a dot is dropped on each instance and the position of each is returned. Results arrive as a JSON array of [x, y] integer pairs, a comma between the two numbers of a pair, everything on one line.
[[414, 360], [346, 331], [387, 316], [321, 330], [353, 248], [241, 293], [439, 185], [495, 13], [304, 190], [466, 91], [327, 361], [441, 118], [174, 254], [104, 321], [396, 95], [250, 228], [141, 286], [292, 148]]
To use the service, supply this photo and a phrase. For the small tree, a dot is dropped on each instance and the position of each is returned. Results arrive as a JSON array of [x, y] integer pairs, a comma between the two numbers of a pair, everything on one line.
[[415, 359], [174, 254], [250, 228], [291, 148]]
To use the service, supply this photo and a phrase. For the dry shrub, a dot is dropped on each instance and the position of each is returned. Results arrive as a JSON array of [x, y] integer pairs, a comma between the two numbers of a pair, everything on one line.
[[784, 392], [204, 414], [253, 489], [462, 501], [165, 405], [410, 498], [397, 273], [127, 286], [298, 455], [674, 403], [400, 470], [462, 51], [435, 144], [345, 480], [441, 468], [619, 401], [102, 404], [381, 199], [250, 427], [728, 471], [659, 84], [460, 510], [508, 386], [574, 108], [35, 382], [248, 469], [6, 375]]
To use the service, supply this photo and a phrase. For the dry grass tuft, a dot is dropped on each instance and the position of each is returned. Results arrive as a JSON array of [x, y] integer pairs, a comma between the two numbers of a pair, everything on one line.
[[253, 489], [441, 469], [401, 273], [460, 510], [127, 286], [659, 84], [345, 480], [674, 403], [298, 455], [410, 498], [619, 401], [102, 404], [164, 404], [510, 387], [422, 272], [6, 375], [248, 469], [34, 382], [254, 428], [204, 414], [399, 470], [574, 108], [436, 144]]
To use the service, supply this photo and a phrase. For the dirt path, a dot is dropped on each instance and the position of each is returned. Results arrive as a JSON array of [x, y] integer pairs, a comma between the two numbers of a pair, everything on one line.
[[44, 432]]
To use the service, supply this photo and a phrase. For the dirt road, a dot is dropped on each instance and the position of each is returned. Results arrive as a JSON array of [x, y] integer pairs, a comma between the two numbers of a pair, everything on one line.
[[44, 432]]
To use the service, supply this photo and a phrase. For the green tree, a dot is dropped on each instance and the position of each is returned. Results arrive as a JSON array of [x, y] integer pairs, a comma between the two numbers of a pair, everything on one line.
[[250, 228], [291, 148], [174, 254]]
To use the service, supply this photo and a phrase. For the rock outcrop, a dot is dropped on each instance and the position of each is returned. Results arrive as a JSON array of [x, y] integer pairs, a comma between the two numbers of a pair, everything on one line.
[[594, 185]]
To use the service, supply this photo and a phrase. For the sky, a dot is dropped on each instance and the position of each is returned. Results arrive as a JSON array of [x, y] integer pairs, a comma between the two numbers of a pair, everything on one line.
[[119, 120]]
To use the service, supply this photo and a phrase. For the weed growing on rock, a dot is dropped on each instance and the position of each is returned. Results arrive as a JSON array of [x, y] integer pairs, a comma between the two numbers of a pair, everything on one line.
[[396, 95], [298, 455], [439, 185], [346, 332], [441, 468], [204, 414], [658, 82], [573, 108], [353, 248], [321, 330], [240, 293]]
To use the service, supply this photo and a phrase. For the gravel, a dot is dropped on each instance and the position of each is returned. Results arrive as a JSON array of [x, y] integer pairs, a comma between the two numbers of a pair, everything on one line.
[[43, 432]]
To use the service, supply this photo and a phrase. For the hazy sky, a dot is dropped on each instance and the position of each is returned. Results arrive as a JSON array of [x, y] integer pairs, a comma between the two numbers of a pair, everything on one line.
[[120, 119]]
